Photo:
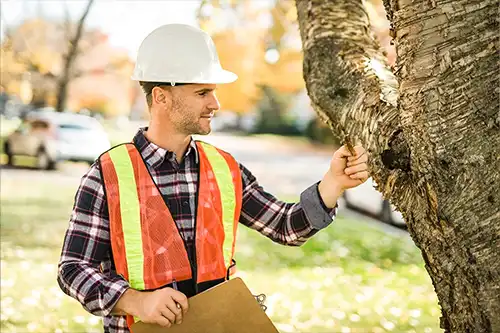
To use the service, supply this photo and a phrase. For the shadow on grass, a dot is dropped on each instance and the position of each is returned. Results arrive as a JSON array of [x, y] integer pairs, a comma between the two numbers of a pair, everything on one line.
[[19, 167]]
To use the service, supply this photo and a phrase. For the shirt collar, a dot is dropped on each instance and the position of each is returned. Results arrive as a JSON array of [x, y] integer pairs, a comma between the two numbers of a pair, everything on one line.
[[155, 155]]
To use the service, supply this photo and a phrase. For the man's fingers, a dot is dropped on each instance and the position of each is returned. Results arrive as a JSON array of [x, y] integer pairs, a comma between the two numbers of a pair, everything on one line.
[[163, 320], [165, 312], [181, 299], [342, 152], [359, 152], [355, 169], [360, 175], [358, 160], [176, 310]]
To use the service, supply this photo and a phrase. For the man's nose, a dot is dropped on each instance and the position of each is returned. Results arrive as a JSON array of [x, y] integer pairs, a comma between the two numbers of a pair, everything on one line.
[[214, 103]]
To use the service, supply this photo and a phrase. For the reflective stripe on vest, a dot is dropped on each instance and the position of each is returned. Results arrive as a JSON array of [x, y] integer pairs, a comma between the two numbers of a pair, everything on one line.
[[147, 247], [130, 214], [219, 192], [228, 197]]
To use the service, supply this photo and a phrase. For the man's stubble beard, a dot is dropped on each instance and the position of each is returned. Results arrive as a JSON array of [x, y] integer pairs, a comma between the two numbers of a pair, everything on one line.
[[188, 125]]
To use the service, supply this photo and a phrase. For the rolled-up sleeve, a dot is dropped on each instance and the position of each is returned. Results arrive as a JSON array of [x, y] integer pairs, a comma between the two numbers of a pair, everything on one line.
[[285, 223], [315, 209], [87, 249]]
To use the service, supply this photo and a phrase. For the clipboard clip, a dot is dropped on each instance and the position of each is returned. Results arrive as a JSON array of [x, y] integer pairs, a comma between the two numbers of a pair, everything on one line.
[[261, 299]]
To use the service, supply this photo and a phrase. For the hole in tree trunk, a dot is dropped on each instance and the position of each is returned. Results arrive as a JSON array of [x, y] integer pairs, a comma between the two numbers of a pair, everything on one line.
[[398, 154]]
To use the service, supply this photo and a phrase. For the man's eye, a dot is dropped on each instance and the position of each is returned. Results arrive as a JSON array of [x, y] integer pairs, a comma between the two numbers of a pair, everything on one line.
[[203, 93]]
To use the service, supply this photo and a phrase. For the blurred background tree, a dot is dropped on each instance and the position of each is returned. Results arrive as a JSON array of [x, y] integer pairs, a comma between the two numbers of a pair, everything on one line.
[[260, 41], [272, 113], [44, 60]]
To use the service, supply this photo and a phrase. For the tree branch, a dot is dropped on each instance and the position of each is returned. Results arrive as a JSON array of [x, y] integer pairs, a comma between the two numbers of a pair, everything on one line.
[[67, 22], [351, 86], [70, 58], [78, 35]]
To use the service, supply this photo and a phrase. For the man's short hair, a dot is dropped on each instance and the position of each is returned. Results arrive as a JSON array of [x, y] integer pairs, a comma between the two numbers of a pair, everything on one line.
[[147, 87]]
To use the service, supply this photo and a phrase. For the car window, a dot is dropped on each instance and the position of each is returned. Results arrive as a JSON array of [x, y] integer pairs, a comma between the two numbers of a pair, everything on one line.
[[74, 127], [39, 125]]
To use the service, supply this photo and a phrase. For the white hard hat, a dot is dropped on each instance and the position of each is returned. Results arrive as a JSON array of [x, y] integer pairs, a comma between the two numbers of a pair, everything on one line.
[[179, 53]]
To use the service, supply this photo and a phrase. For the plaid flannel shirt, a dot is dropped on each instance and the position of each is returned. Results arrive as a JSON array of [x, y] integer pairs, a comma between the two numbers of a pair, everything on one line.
[[86, 271]]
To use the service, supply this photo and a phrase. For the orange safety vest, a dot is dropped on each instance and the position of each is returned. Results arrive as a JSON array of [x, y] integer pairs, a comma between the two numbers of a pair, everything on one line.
[[148, 250]]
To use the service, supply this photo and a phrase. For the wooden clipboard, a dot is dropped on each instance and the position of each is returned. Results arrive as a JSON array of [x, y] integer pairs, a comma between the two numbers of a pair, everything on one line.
[[228, 307]]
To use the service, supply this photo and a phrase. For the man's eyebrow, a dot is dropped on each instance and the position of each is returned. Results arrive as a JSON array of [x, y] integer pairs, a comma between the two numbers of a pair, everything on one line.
[[204, 90]]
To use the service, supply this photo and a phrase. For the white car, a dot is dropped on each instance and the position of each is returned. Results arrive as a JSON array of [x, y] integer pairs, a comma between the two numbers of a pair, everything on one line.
[[366, 199], [53, 137]]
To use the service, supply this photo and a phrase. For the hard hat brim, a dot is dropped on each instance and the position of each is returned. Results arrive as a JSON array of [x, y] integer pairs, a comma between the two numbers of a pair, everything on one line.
[[221, 76], [225, 76]]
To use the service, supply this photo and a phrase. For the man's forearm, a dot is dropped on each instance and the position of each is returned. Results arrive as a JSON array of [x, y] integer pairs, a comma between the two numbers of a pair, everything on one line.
[[285, 223], [329, 190], [127, 304]]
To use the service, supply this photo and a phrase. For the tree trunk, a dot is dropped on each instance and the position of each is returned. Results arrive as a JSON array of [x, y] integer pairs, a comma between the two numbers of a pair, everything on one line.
[[434, 142], [64, 80]]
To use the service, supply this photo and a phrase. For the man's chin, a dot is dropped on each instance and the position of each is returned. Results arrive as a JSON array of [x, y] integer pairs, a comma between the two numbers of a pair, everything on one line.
[[204, 131], [200, 129]]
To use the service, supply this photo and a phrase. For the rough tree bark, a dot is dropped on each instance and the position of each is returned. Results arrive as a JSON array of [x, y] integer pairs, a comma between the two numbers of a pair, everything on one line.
[[432, 130], [69, 59]]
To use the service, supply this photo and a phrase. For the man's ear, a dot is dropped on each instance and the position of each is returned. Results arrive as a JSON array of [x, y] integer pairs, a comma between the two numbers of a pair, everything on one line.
[[159, 95]]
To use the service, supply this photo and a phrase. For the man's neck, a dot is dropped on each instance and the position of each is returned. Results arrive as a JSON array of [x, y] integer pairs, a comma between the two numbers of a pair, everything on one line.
[[169, 140]]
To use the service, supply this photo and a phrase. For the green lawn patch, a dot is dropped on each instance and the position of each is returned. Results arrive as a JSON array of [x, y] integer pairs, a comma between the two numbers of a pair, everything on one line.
[[350, 277]]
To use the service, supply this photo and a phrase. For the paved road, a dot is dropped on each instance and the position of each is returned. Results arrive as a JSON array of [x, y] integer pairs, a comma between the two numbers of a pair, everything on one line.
[[283, 167], [280, 166]]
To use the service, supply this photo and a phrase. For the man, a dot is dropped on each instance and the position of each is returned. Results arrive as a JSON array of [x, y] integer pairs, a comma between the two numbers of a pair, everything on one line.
[[155, 220]]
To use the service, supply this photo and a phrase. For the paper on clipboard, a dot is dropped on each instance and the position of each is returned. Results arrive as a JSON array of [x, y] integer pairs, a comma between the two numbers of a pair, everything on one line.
[[228, 307]]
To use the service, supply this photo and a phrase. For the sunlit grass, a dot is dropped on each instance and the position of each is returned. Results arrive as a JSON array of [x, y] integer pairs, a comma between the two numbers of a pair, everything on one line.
[[33, 220], [348, 278]]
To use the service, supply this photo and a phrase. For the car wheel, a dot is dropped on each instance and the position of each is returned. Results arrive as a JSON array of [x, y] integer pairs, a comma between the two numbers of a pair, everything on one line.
[[386, 212], [43, 161], [6, 150], [52, 165]]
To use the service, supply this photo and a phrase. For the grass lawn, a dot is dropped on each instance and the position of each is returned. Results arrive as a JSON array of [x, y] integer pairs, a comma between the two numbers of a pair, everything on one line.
[[349, 278]]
